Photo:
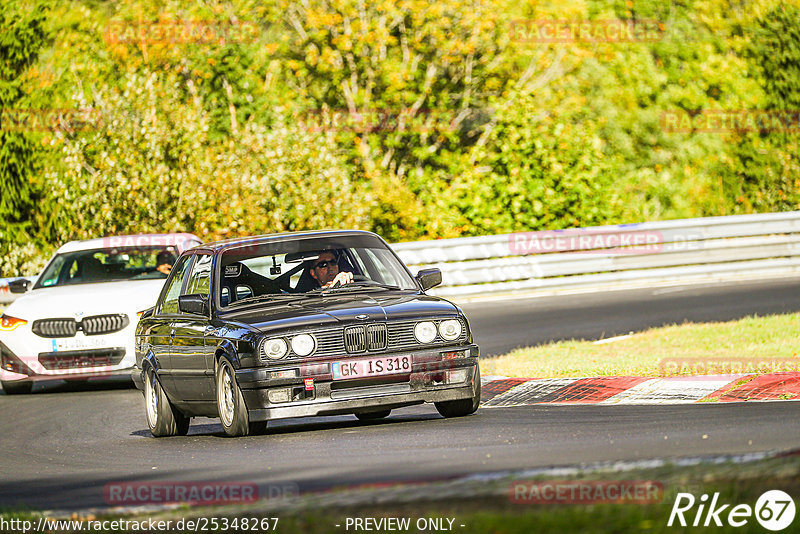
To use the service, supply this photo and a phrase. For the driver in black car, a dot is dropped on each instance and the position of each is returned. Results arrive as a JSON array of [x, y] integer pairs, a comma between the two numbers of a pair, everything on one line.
[[325, 270]]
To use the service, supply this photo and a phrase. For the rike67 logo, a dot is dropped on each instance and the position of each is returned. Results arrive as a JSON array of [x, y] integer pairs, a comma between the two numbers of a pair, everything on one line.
[[774, 511]]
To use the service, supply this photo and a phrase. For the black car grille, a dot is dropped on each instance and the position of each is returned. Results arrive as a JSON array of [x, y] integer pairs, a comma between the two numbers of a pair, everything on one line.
[[355, 338], [374, 337], [55, 327], [104, 324], [79, 359], [91, 326], [362, 338]]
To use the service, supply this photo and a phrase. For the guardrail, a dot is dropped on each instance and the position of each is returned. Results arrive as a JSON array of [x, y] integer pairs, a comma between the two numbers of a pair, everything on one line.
[[739, 246], [736, 246]]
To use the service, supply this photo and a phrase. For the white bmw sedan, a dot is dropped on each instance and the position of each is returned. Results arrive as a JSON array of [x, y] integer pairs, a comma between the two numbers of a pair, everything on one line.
[[79, 319]]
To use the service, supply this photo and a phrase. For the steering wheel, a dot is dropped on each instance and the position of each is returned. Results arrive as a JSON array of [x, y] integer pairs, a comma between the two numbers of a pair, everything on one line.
[[356, 278]]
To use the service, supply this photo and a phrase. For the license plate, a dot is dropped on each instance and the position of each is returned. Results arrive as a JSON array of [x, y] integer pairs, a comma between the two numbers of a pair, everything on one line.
[[80, 343], [372, 367]]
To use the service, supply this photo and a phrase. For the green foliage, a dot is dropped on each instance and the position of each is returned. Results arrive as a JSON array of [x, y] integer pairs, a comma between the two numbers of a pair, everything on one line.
[[776, 53], [23, 259], [150, 165], [411, 118], [416, 71], [534, 173], [21, 40], [766, 164]]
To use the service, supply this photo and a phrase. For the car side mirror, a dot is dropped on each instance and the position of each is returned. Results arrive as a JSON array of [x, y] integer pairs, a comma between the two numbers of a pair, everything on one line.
[[196, 304], [144, 314], [20, 285], [429, 278]]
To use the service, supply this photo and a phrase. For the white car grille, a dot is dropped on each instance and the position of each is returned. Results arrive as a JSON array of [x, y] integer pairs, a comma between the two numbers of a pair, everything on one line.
[[91, 326]]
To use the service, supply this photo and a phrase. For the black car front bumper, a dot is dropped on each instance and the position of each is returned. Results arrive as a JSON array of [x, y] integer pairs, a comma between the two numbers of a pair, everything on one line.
[[432, 379]]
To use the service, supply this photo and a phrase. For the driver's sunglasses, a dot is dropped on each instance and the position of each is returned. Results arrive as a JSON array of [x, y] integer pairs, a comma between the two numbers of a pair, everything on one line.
[[324, 263]]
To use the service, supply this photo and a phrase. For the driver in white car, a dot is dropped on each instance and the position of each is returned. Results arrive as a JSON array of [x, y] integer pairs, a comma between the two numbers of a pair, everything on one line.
[[164, 262]]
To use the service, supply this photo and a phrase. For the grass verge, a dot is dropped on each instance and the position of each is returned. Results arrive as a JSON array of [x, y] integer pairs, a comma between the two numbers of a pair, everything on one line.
[[753, 344], [487, 506]]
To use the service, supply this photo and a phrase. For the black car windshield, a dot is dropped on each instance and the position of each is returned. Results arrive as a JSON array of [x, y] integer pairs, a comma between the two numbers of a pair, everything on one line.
[[107, 265], [273, 270]]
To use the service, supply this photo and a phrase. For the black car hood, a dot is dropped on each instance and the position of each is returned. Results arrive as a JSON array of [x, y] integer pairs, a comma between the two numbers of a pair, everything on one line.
[[334, 310]]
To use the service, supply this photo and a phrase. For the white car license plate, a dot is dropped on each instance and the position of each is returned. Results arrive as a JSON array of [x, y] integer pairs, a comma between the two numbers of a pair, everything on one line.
[[389, 365], [80, 343]]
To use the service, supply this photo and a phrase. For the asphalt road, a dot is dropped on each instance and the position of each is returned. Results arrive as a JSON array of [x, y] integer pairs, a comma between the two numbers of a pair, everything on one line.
[[90, 439], [500, 326], [60, 447]]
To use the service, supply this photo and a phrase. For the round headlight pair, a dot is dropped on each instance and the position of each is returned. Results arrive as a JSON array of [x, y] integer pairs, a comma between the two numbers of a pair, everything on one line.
[[425, 331], [276, 348]]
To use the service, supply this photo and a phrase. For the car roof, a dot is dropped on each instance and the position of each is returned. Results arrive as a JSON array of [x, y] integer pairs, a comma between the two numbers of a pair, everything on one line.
[[181, 241], [220, 246]]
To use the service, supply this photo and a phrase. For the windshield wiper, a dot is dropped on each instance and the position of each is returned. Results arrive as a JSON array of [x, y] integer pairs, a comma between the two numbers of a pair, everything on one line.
[[269, 296], [361, 284]]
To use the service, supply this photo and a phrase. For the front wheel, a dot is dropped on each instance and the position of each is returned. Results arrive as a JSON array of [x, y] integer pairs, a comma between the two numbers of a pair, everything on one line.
[[462, 407], [162, 417], [230, 403], [17, 387]]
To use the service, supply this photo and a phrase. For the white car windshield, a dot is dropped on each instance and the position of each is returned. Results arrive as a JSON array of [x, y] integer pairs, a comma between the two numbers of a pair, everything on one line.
[[300, 266], [107, 265]]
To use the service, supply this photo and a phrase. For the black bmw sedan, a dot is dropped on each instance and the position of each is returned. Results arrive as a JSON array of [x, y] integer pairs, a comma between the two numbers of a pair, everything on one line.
[[303, 324]]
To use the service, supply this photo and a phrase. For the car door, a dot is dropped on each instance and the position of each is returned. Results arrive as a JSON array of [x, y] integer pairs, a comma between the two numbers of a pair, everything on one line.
[[163, 332], [190, 353]]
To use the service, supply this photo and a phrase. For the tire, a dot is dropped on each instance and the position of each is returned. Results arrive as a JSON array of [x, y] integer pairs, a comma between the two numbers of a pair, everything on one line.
[[230, 403], [17, 387], [462, 407], [368, 416], [162, 417]]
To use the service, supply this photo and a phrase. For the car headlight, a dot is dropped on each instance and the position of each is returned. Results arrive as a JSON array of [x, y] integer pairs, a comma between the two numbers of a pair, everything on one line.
[[274, 348], [450, 329], [303, 345], [425, 332], [8, 323]]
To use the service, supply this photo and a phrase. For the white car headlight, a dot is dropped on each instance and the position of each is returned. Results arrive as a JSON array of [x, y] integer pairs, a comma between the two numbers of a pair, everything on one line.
[[425, 332], [303, 345], [450, 329], [274, 348]]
